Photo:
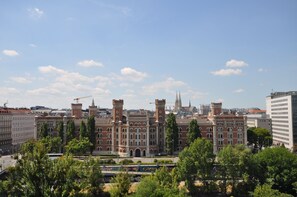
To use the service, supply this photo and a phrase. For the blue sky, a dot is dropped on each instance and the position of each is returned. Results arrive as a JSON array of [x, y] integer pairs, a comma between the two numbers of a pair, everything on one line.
[[232, 51]]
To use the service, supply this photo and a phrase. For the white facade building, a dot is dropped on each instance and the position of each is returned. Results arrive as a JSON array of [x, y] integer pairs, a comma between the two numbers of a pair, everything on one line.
[[282, 109], [22, 128], [259, 120]]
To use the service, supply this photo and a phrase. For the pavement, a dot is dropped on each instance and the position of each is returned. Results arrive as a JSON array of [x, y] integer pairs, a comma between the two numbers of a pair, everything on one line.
[[6, 161]]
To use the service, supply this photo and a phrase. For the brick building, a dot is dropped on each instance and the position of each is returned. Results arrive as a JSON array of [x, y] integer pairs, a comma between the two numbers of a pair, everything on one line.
[[141, 133]]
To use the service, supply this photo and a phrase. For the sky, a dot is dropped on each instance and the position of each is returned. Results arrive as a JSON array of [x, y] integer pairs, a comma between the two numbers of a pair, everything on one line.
[[234, 52]]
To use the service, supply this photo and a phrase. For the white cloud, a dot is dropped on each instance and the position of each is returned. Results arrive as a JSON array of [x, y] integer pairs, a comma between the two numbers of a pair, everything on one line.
[[51, 69], [71, 83], [236, 63], [90, 63], [8, 91], [133, 75], [262, 70], [35, 13], [240, 90], [22, 80], [227, 72], [10, 52], [168, 85], [33, 45]]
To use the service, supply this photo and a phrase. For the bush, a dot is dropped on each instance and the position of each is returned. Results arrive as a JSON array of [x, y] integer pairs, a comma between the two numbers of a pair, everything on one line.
[[126, 162], [107, 161]]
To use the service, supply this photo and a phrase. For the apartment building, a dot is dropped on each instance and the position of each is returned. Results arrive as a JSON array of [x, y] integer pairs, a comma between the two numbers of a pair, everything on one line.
[[5, 131], [281, 107]]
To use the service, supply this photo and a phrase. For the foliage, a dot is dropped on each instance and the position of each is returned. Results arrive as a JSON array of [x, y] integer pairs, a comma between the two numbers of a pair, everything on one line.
[[70, 130], [78, 147], [279, 166], [266, 191], [31, 177], [91, 132], [83, 130], [259, 137], [194, 132], [171, 134], [36, 175], [53, 144], [126, 161], [92, 177], [196, 162], [233, 164], [43, 132], [162, 183], [121, 185], [60, 129]]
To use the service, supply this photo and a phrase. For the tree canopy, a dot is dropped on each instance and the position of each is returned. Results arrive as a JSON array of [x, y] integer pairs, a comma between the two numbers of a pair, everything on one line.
[[279, 165], [259, 137], [70, 130], [194, 131], [91, 132], [196, 162], [171, 134]]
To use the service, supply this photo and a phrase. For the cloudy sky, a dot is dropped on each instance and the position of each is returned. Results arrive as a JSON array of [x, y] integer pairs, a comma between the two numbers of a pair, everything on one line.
[[232, 51]]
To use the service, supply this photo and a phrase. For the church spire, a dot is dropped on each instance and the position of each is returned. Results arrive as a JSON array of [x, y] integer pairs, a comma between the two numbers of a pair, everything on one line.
[[93, 103], [179, 101]]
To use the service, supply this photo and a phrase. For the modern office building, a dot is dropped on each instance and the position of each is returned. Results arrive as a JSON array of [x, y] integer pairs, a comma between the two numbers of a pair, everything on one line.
[[282, 109]]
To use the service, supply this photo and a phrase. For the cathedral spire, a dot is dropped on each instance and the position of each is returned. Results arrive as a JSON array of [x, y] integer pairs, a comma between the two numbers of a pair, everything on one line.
[[93, 103], [179, 101]]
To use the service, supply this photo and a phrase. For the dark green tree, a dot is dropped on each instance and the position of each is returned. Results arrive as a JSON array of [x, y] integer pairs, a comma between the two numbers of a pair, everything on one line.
[[83, 130], [233, 163], [30, 176], [121, 185], [194, 131], [43, 132], [196, 162], [259, 137], [78, 147], [91, 176], [53, 144], [279, 166], [171, 134], [60, 129], [70, 130], [162, 183], [91, 132], [266, 190]]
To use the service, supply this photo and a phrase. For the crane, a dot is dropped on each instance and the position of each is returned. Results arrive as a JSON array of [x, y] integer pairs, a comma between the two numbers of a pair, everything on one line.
[[77, 99]]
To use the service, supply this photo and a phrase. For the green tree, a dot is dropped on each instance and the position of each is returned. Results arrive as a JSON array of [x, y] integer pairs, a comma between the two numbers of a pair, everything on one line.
[[121, 185], [196, 162], [43, 132], [171, 134], [233, 164], [65, 173], [83, 130], [259, 137], [279, 166], [162, 183], [91, 176], [194, 132], [30, 176], [53, 144], [70, 130], [78, 147], [266, 191], [91, 132], [60, 129]]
